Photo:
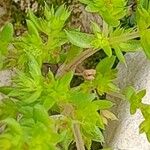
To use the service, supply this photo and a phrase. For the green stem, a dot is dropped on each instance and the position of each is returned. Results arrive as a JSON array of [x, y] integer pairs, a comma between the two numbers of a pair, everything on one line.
[[78, 136], [75, 62], [89, 52]]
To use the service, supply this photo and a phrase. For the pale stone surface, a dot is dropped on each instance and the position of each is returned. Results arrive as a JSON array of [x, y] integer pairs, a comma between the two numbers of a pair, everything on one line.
[[124, 133], [5, 78]]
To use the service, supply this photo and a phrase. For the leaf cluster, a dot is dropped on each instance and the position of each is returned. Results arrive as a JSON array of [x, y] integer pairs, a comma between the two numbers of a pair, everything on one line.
[[40, 111], [135, 99]]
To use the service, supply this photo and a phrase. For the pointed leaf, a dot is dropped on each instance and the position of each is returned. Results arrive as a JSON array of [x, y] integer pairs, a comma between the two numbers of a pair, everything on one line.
[[5, 89], [40, 114], [95, 27], [107, 50], [6, 34], [32, 29], [105, 64], [119, 54], [13, 125], [80, 39], [64, 82], [103, 104]]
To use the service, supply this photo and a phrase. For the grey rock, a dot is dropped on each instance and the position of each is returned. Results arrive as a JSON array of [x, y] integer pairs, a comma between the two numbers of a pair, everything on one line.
[[124, 133]]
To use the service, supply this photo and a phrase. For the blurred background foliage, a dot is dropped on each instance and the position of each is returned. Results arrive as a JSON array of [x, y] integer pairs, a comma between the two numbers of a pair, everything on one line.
[[16, 11]]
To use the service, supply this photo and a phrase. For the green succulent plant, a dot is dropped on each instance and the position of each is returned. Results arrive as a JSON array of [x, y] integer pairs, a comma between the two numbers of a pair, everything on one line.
[[45, 112]]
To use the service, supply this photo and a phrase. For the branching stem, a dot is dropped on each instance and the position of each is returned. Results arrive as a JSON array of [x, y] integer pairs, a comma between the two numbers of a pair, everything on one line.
[[89, 52], [78, 136], [75, 62]]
